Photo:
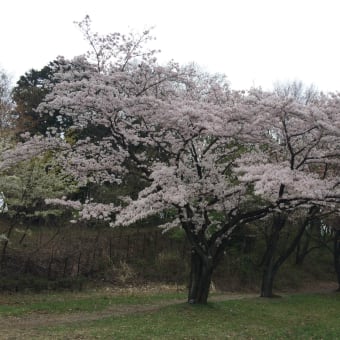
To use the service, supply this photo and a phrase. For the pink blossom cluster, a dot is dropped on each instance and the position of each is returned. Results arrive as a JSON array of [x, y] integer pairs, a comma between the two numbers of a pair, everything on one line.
[[212, 157]]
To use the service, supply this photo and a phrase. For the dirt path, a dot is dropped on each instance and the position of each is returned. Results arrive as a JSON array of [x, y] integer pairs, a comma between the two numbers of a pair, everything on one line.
[[24, 327], [39, 319], [36, 319]]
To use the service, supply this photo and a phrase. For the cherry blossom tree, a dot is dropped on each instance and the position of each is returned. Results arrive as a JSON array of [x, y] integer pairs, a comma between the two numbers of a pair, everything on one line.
[[211, 158], [177, 125], [179, 129], [293, 163]]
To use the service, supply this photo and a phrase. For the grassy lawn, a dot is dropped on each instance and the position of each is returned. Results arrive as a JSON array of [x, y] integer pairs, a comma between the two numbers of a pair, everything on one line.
[[91, 301], [161, 316]]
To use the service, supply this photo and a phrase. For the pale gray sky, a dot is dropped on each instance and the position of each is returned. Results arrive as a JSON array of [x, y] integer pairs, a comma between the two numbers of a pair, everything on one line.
[[254, 42]]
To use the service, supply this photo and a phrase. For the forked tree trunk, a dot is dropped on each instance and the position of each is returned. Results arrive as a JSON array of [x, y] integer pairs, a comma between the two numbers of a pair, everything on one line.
[[269, 266], [200, 279], [271, 262]]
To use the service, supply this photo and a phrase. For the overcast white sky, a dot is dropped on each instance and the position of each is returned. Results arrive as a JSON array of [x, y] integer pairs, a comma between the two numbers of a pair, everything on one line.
[[254, 42]]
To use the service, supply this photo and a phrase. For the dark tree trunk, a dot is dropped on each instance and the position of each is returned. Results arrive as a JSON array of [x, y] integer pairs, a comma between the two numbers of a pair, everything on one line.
[[337, 255], [302, 250], [312, 226], [271, 262], [268, 261], [269, 271], [267, 282], [5, 245], [200, 279]]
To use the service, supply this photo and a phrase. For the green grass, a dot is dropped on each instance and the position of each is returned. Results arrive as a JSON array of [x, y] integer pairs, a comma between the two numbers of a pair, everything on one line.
[[91, 301], [302, 316], [294, 317]]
